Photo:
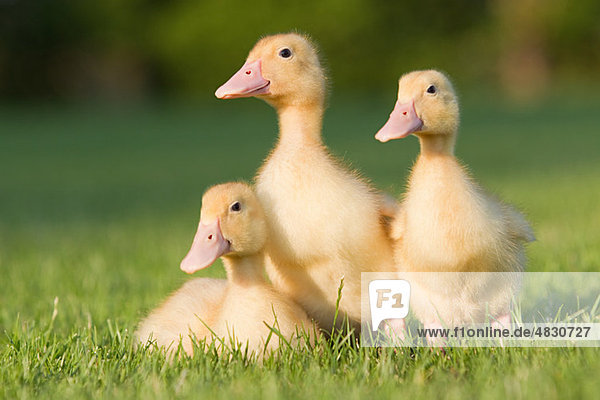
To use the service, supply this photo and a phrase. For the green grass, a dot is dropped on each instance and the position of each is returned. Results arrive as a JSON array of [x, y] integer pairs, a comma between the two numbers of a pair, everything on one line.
[[99, 204]]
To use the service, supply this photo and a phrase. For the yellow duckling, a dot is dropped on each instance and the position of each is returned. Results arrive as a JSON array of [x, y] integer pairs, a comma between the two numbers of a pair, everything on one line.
[[446, 222], [325, 222], [232, 226]]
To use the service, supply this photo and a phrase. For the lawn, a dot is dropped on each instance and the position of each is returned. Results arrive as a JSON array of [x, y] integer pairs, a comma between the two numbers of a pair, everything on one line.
[[98, 204]]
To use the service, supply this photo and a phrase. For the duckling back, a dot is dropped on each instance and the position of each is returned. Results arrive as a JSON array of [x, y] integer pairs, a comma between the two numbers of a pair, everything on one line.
[[183, 316], [256, 316]]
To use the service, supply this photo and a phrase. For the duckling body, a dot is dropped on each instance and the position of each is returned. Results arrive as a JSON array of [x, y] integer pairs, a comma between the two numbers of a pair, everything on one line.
[[446, 222], [184, 315], [232, 226], [248, 308], [325, 227], [325, 222]]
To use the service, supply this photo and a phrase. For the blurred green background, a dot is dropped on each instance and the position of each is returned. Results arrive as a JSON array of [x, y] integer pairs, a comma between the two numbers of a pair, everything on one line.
[[132, 49]]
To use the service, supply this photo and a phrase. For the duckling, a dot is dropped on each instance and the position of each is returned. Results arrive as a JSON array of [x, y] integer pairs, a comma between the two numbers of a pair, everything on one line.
[[325, 222], [446, 222], [232, 226]]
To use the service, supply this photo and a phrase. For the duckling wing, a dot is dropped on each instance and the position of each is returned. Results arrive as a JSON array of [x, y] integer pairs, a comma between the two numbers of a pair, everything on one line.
[[388, 205], [518, 227], [514, 222], [389, 209]]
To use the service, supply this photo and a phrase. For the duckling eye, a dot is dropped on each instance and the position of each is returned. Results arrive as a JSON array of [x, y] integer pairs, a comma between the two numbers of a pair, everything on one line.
[[285, 53], [236, 207], [431, 89]]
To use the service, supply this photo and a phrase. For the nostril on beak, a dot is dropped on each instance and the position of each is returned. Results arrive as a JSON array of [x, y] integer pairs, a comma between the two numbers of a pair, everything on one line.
[[210, 237], [249, 72], [404, 113]]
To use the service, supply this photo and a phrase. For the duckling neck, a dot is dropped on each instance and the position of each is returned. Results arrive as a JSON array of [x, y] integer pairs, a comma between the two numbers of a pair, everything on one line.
[[300, 125], [244, 270], [437, 145]]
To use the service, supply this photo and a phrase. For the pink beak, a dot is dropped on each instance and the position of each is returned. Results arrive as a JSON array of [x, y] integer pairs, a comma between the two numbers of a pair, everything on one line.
[[209, 244], [247, 82], [402, 122]]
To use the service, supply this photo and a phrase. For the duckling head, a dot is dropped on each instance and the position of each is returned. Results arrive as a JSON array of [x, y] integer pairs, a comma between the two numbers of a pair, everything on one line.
[[232, 223], [281, 69], [427, 105]]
